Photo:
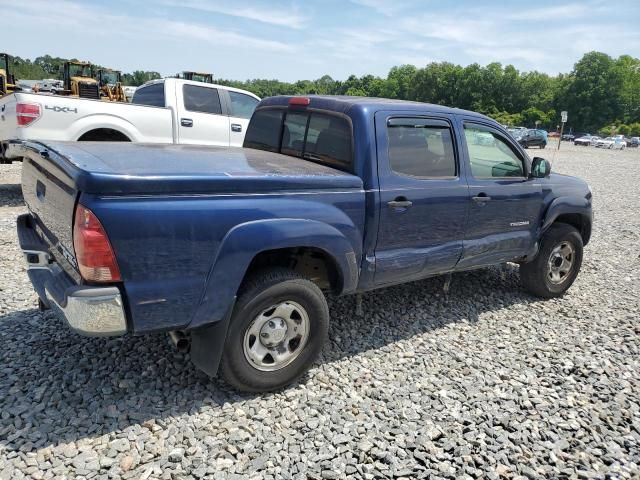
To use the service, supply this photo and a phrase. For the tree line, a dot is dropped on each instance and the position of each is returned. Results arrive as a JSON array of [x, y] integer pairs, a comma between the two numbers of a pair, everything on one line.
[[601, 93]]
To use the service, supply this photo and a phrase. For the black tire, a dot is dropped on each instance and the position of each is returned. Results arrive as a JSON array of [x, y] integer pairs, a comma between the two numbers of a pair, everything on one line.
[[534, 275], [259, 293], [543, 145]]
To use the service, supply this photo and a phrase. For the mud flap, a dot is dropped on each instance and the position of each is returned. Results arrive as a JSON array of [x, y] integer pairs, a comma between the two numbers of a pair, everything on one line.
[[207, 344]]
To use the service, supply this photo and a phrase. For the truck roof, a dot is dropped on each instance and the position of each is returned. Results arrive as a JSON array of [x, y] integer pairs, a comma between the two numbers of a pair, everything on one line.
[[343, 103], [198, 84]]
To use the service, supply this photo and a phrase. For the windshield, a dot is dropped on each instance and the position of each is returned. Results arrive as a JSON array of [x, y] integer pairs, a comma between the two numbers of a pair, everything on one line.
[[109, 78], [82, 70]]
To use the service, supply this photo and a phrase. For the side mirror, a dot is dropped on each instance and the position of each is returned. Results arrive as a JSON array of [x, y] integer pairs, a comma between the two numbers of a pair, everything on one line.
[[540, 168]]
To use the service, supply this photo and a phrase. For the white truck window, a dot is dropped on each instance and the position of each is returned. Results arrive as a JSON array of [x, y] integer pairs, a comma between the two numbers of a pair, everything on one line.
[[201, 99], [242, 106], [152, 95]]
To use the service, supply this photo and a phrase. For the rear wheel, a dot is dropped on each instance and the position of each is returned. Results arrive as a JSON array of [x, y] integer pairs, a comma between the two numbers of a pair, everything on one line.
[[277, 330], [557, 264]]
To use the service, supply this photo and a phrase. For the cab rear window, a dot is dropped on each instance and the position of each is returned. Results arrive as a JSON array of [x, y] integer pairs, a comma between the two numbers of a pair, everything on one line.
[[315, 136], [152, 95]]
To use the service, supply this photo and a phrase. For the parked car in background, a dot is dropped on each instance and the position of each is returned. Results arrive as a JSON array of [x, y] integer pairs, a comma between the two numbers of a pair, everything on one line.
[[533, 138], [613, 143], [568, 137], [169, 110], [586, 140], [235, 249], [635, 142], [516, 131], [481, 138]]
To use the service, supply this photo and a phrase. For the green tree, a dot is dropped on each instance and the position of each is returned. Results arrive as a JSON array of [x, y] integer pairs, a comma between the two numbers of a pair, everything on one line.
[[593, 91], [139, 77]]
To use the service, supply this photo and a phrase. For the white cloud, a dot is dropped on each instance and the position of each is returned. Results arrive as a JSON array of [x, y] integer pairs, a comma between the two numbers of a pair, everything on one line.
[[290, 17], [339, 41], [385, 7], [77, 30]]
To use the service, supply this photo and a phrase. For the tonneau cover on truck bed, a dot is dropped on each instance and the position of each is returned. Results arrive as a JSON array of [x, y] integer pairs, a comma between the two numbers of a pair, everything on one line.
[[127, 168]]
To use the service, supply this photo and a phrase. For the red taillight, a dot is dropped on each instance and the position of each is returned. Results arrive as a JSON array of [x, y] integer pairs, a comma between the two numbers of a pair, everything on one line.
[[94, 254], [300, 101], [27, 113]]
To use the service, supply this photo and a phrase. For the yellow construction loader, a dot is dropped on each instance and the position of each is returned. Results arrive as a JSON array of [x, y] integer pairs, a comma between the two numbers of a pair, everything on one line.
[[198, 77], [77, 81], [7, 80], [110, 83]]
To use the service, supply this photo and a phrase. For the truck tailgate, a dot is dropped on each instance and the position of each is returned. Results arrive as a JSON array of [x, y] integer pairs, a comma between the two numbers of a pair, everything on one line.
[[50, 195]]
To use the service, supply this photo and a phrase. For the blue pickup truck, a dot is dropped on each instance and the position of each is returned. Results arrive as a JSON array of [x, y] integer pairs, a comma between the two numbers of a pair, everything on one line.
[[233, 250]]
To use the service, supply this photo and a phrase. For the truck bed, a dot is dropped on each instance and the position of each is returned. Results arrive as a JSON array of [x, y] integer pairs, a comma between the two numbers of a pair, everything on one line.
[[126, 168], [68, 118]]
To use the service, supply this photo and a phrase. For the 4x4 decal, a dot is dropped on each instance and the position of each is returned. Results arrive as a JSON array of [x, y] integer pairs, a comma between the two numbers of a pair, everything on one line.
[[58, 109]]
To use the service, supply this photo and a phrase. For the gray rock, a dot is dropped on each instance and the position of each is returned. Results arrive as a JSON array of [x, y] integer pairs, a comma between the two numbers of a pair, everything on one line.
[[176, 455]]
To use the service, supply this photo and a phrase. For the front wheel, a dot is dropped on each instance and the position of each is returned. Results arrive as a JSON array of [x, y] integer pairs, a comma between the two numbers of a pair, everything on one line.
[[277, 330], [557, 264]]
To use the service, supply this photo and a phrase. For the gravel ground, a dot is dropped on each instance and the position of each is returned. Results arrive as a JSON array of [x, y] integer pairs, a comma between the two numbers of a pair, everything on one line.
[[487, 382]]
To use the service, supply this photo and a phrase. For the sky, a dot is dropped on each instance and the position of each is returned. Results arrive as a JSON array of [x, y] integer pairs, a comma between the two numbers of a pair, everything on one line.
[[294, 39]]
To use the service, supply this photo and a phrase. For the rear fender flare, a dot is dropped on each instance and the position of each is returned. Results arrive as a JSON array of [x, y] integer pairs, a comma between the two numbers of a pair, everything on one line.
[[98, 121], [243, 242]]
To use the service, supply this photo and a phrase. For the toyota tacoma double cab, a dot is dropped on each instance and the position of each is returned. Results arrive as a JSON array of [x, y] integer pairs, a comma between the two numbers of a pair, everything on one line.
[[233, 251]]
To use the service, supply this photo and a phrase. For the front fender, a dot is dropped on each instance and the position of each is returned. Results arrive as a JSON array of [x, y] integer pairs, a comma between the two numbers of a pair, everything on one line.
[[569, 206], [246, 240]]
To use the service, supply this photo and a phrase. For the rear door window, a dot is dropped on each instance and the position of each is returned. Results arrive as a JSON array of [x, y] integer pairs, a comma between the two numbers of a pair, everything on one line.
[[152, 95], [421, 148], [242, 106], [201, 99]]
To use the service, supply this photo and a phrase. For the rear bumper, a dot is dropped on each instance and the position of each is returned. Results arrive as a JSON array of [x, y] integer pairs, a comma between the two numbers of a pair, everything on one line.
[[91, 311]]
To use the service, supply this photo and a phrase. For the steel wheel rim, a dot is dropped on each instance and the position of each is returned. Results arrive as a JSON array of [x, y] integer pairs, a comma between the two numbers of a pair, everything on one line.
[[277, 336], [561, 262]]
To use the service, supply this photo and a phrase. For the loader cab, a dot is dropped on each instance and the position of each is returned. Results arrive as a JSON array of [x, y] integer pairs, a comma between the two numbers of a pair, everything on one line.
[[110, 85], [198, 77], [7, 80], [108, 77], [78, 80]]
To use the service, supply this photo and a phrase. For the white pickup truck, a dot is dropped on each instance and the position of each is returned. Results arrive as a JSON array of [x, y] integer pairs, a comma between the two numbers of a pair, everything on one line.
[[162, 111]]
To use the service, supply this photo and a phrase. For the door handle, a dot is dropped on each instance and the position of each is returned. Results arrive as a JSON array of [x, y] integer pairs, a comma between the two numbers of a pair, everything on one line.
[[400, 202], [186, 122], [236, 127], [481, 198]]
